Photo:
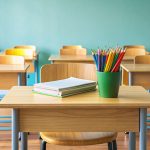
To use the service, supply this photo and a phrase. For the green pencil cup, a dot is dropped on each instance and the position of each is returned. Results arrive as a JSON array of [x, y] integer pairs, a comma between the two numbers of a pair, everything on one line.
[[108, 84]]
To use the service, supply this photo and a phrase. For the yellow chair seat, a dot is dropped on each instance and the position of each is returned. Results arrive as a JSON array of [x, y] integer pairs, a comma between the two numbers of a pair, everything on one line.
[[78, 138], [19, 52]]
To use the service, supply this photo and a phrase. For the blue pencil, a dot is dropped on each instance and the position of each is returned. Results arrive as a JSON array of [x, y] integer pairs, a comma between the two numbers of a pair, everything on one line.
[[99, 59], [95, 59], [104, 61]]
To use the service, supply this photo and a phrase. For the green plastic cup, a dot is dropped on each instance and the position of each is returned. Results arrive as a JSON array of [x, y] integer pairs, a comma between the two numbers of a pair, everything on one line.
[[108, 84]]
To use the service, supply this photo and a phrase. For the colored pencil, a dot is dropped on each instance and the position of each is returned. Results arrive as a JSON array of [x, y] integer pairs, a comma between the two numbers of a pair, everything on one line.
[[108, 61]]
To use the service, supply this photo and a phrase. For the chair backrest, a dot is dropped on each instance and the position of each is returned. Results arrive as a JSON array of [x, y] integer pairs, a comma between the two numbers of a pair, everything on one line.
[[72, 46], [11, 60], [73, 50], [51, 72], [142, 59], [19, 52], [134, 50], [31, 47]]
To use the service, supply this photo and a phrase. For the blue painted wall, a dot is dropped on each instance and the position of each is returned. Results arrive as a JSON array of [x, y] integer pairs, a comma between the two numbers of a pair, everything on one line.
[[49, 24]]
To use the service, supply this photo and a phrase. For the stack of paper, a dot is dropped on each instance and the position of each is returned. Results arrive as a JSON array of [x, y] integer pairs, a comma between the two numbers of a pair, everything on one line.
[[65, 87]]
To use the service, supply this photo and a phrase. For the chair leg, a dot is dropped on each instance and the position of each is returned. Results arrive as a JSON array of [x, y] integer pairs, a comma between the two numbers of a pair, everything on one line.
[[43, 145], [110, 146], [114, 143]]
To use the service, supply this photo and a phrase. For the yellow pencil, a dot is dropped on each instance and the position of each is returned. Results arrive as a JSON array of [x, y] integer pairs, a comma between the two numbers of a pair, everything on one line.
[[111, 61], [108, 61]]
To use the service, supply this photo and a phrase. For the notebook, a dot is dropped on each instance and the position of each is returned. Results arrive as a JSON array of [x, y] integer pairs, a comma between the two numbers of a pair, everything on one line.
[[60, 85], [65, 87]]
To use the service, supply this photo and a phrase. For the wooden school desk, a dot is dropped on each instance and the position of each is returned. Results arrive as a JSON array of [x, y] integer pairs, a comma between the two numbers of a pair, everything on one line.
[[85, 112], [32, 61], [11, 75], [82, 59], [136, 74]]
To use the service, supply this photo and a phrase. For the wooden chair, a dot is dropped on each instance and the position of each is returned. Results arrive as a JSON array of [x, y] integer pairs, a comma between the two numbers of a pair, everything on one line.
[[20, 52], [134, 50], [32, 47], [8, 60], [51, 72], [72, 46], [73, 50], [28, 47], [144, 60]]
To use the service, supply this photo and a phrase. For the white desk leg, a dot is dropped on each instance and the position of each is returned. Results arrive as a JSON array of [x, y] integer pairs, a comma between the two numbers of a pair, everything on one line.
[[132, 135], [130, 79], [143, 137], [15, 129]]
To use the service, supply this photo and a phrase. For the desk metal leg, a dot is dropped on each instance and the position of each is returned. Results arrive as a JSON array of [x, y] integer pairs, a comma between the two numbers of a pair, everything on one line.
[[15, 129], [19, 79], [143, 138], [36, 69], [132, 141], [24, 143], [22, 134], [132, 135]]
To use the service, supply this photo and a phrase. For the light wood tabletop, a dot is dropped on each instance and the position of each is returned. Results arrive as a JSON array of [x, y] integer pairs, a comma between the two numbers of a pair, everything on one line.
[[14, 68], [71, 58], [136, 67], [86, 112], [134, 96], [83, 59]]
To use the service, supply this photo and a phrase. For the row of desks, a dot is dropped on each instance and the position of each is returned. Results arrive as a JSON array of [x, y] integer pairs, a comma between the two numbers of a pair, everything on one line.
[[83, 112]]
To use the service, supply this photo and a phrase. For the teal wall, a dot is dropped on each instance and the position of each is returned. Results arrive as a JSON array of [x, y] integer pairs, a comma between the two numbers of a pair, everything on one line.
[[49, 24]]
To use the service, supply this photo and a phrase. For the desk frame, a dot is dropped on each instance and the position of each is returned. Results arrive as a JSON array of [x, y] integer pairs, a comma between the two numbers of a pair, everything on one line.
[[17, 125]]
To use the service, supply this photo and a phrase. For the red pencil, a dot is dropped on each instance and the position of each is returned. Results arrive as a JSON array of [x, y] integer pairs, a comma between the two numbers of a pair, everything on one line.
[[116, 67]]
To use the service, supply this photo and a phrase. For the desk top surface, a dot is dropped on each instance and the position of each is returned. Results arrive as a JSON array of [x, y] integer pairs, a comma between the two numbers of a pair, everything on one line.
[[14, 68], [129, 97], [71, 58], [79, 58], [136, 67]]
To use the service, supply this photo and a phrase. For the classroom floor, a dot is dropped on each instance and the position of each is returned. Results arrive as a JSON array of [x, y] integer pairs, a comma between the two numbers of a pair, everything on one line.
[[34, 143]]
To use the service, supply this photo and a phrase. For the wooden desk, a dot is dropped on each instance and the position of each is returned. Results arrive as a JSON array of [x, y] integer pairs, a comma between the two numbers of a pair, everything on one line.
[[11, 75], [32, 61], [71, 59], [82, 59], [82, 112], [136, 74]]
